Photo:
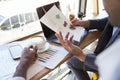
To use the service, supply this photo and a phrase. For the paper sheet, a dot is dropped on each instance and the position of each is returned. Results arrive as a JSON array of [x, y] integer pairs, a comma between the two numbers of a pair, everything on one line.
[[56, 21], [52, 57]]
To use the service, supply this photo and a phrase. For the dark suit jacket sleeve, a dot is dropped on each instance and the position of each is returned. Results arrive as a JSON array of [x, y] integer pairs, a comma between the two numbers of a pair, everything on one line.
[[90, 61], [98, 23]]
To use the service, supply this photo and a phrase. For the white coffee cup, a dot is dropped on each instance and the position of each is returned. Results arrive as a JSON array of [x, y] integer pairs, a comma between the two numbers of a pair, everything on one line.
[[38, 41]]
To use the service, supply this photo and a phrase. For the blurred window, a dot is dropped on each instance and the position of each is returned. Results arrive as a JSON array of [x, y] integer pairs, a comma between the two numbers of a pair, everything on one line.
[[35, 16], [6, 25], [15, 22], [29, 18], [1, 18]]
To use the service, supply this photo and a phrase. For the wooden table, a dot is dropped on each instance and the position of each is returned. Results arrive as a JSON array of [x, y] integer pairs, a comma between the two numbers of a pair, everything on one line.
[[89, 38]]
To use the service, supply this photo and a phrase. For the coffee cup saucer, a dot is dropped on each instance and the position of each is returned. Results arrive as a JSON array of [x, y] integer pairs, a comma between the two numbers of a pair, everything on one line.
[[46, 47]]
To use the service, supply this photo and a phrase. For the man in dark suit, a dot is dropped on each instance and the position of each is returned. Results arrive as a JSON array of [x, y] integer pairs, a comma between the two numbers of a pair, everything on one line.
[[109, 60], [81, 62]]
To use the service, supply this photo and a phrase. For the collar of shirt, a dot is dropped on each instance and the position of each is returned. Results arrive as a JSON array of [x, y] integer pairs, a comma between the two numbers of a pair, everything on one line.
[[18, 78], [114, 29]]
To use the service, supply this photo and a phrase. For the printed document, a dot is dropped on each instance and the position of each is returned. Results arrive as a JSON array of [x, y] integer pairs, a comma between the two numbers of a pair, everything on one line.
[[55, 20]]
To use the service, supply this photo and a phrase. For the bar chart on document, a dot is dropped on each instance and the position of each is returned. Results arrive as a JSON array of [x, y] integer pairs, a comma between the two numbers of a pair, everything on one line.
[[45, 56], [52, 57]]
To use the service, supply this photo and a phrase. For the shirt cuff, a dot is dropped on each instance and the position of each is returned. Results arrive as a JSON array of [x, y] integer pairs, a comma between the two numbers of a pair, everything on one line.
[[90, 61], [18, 78]]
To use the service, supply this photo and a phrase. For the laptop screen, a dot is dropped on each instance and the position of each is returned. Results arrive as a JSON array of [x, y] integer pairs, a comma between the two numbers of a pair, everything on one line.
[[41, 11]]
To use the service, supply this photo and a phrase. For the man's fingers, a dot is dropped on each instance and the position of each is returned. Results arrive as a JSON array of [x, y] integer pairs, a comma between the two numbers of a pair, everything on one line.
[[71, 38], [67, 46], [67, 35], [31, 46], [60, 38], [74, 20], [60, 35], [35, 48]]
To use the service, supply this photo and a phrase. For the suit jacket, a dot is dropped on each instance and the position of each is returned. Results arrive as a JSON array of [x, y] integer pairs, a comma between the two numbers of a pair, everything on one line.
[[104, 25]]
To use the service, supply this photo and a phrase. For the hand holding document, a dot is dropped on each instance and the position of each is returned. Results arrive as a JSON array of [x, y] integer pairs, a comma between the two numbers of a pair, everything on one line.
[[55, 20]]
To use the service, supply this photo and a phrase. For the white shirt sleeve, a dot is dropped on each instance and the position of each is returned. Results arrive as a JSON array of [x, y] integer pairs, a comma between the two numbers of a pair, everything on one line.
[[18, 78]]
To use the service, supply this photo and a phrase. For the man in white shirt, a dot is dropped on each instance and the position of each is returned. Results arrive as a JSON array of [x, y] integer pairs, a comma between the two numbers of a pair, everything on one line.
[[29, 55], [109, 61]]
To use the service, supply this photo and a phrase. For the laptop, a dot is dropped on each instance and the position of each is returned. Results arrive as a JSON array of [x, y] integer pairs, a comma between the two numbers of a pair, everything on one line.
[[48, 33]]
